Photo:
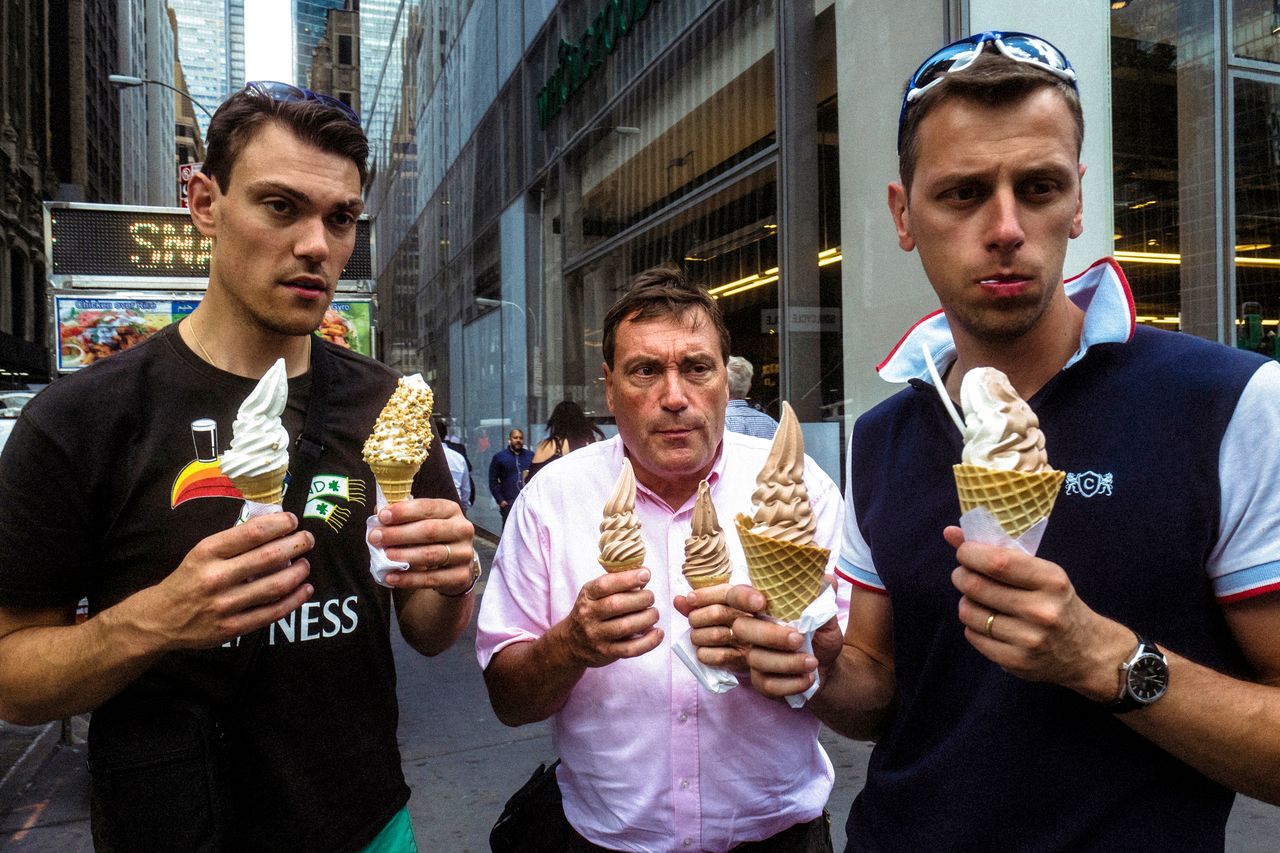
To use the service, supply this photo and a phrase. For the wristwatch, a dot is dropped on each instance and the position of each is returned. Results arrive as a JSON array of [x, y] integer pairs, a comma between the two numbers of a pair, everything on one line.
[[475, 576], [1144, 678]]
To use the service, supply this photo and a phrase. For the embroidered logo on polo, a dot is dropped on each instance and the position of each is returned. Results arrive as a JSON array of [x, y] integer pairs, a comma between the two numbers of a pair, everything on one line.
[[327, 495], [1088, 484]]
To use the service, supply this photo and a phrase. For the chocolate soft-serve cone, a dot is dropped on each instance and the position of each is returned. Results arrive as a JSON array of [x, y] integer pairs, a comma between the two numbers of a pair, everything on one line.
[[401, 437], [1005, 467], [706, 560], [782, 560], [621, 547]]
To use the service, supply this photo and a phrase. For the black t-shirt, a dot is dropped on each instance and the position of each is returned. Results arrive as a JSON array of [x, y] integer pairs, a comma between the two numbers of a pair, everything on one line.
[[110, 477]]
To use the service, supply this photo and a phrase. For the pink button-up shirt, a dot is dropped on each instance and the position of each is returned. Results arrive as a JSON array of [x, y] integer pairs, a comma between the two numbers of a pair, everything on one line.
[[650, 760]]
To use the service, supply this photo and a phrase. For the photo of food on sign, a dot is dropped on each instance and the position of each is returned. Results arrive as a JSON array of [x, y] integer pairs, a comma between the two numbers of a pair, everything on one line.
[[90, 330], [336, 329]]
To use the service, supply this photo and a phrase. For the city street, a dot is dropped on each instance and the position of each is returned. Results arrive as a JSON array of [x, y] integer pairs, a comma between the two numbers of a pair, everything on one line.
[[461, 763]]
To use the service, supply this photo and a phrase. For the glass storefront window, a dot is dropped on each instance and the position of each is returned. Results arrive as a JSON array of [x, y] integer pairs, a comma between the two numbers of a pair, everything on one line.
[[1256, 29], [1257, 231]]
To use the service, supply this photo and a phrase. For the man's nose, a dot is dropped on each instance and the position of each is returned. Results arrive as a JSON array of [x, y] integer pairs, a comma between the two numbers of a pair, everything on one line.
[[312, 240], [673, 397], [1004, 228]]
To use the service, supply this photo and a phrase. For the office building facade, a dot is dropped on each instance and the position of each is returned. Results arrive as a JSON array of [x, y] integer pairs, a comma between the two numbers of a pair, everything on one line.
[[211, 47]]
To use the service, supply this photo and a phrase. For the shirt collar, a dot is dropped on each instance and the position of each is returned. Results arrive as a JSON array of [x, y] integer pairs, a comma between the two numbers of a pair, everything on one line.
[[1101, 291], [713, 477]]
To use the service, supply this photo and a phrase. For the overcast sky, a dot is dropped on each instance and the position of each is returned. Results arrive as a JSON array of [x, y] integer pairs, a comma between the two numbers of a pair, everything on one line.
[[268, 41]]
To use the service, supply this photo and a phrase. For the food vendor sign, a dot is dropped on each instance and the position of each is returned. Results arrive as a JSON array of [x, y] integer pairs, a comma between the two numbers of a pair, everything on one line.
[[90, 329]]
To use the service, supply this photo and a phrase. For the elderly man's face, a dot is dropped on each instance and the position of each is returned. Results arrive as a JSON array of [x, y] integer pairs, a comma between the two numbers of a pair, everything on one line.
[[667, 391]]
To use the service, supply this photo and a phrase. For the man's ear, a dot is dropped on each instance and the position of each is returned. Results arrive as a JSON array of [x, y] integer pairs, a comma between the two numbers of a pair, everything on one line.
[[608, 386], [202, 196], [901, 216]]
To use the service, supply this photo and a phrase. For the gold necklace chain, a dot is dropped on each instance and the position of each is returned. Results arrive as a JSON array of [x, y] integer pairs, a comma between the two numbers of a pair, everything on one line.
[[192, 320]]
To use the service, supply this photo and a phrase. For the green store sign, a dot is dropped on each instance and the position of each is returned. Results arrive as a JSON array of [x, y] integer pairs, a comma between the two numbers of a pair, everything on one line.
[[579, 60]]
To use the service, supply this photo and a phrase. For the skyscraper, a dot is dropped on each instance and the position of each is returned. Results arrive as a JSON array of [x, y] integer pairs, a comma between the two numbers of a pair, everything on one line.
[[309, 20], [211, 47]]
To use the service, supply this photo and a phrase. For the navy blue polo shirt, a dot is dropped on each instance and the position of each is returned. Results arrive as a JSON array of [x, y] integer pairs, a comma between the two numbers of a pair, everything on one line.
[[1163, 518]]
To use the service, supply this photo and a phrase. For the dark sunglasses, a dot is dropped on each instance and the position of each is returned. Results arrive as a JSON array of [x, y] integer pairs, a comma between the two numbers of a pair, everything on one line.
[[959, 55], [288, 93]]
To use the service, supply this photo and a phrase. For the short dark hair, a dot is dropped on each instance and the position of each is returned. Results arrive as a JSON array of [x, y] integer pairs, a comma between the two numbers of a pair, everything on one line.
[[245, 113], [992, 80], [661, 292]]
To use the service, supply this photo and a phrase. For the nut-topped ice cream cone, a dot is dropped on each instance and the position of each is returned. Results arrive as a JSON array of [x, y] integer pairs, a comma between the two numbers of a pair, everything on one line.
[[401, 437], [1004, 465], [782, 560], [258, 459], [706, 560], [621, 546]]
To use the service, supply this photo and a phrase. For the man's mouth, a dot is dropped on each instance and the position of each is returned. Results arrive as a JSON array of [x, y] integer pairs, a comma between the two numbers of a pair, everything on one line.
[[308, 286], [1005, 284]]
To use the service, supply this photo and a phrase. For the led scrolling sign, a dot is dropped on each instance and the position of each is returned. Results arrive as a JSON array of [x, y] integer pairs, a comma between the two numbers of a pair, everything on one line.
[[152, 244]]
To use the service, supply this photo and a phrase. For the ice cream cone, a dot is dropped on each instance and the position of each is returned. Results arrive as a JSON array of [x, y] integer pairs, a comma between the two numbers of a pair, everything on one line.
[[613, 568], [790, 575], [703, 583], [395, 478], [1017, 499], [265, 488]]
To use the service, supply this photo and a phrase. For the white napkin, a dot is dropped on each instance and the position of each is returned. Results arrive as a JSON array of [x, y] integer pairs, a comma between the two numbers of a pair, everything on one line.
[[253, 509], [979, 525], [380, 565], [819, 612], [714, 678]]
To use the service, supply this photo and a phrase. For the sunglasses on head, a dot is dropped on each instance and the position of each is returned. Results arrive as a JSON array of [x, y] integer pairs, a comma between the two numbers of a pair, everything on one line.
[[959, 55], [288, 93]]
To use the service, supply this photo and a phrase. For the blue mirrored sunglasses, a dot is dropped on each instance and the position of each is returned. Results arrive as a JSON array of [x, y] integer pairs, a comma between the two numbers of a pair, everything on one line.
[[959, 55], [287, 92]]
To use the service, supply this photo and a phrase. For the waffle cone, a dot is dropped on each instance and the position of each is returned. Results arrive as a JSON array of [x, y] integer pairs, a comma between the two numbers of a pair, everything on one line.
[[613, 568], [395, 478], [1017, 499], [265, 488], [709, 580], [790, 575]]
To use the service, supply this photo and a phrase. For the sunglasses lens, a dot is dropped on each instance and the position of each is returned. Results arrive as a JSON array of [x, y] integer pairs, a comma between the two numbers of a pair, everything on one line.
[[288, 93], [1032, 49], [942, 62]]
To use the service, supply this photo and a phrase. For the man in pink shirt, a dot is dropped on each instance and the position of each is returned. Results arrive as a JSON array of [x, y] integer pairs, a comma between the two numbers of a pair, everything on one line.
[[650, 760]]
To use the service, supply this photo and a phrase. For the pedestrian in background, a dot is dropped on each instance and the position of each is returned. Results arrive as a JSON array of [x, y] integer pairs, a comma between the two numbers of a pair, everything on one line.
[[240, 674], [459, 464], [567, 430], [508, 470], [1124, 682], [741, 416], [650, 761]]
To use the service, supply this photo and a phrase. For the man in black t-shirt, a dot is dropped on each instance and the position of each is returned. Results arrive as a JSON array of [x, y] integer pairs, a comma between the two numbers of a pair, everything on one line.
[[112, 490]]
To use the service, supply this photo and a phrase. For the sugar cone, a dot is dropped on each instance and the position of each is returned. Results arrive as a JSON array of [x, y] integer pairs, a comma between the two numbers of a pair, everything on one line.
[[1017, 499], [395, 478], [265, 488], [710, 580], [789, 575]]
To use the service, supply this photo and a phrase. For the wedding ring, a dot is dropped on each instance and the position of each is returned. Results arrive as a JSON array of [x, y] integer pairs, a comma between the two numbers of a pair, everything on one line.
[[990, 620], [448, 558], [732, 639]]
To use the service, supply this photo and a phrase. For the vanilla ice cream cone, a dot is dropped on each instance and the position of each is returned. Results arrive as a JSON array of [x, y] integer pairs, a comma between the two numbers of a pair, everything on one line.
[[789, 574], [1017, 499], [265, 488], [395, 478]]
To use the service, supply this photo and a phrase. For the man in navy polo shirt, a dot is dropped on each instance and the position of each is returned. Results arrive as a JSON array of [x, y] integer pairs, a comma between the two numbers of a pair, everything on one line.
[[1113, 692]]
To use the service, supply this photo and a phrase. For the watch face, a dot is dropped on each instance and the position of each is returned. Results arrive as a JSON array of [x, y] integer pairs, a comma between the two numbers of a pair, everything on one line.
[[1148, 678]]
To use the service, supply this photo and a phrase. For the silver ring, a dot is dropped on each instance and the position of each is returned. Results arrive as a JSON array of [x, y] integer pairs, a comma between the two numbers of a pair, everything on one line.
[[990, 621], [448, 556]]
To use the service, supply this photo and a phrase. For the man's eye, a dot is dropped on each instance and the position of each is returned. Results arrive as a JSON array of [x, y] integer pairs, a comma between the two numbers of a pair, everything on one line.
[[963, 194], [279, 205], [699, 369], [1039, 188], [342, 220], [645, 370]]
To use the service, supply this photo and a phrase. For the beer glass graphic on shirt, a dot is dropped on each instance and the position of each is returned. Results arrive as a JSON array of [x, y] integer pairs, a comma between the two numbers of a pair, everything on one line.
[[204, 434]]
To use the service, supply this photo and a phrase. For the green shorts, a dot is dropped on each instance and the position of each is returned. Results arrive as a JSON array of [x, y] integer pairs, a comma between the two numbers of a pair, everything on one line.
[[396, 836]]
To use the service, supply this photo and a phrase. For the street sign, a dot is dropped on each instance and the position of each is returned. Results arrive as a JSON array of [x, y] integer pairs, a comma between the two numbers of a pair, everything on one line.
[[185, 171]]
